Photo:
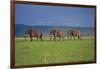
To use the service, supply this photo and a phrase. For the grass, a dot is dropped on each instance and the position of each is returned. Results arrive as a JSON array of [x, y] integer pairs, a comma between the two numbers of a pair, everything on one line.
[[47, 52]]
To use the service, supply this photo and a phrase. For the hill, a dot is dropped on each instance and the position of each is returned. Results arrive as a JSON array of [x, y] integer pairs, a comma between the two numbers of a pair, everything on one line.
[[21, 28]]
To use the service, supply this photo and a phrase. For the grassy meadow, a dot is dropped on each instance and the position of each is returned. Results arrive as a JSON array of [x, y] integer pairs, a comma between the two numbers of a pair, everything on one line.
[[47, 52]]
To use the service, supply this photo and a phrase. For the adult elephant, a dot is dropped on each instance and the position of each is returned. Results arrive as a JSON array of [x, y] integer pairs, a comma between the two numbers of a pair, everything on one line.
[[56, 33], [73, 34], [33, 34]]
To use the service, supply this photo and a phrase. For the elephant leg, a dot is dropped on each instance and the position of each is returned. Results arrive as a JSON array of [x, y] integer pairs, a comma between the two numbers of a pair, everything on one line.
[[63, 38], [50, 37], [59, 38], [74, 37], [41, 38], [37, 38], [31, 39], [54, 38], [79, 37], [25, 38]]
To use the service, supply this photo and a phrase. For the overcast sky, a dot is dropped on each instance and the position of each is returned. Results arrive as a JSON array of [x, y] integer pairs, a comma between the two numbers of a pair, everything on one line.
[[53, 15]]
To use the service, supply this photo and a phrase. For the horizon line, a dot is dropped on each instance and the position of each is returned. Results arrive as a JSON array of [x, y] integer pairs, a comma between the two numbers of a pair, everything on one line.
[[57, 26]]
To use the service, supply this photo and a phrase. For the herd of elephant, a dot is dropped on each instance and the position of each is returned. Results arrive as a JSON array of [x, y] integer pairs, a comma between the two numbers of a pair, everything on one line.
[[54, 33]]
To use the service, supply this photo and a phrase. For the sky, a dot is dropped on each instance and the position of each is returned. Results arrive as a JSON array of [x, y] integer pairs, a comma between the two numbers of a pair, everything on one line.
[[54, 15]]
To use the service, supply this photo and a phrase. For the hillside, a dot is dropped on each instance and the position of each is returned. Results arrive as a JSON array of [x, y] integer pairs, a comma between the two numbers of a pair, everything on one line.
[[21, 28]]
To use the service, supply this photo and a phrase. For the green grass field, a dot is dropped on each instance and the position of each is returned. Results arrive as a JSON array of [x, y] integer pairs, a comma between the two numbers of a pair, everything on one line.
[[47, 52]]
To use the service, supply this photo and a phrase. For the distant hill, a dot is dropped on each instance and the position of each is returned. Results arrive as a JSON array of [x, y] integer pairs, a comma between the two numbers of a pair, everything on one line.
[[21, 28]]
